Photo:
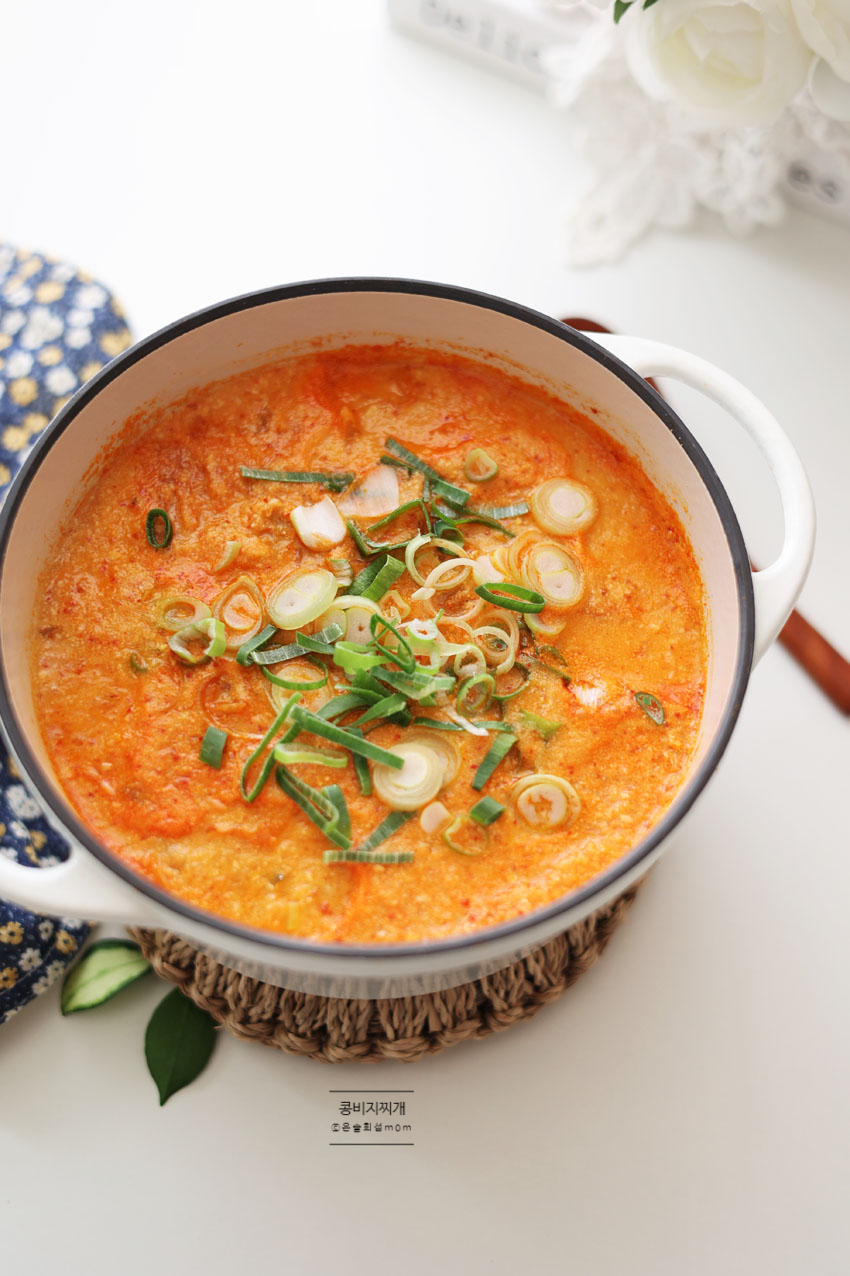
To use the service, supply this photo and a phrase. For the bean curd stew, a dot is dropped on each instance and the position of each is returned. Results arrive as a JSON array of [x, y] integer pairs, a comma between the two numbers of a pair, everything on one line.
[[377, 645]]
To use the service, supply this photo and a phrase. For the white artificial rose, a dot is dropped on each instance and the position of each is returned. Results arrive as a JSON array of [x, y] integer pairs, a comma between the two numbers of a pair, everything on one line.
[[730, 61], [825, 26]]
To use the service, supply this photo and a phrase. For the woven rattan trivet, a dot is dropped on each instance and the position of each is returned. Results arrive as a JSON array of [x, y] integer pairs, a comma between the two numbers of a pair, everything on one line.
[[336, 1030]]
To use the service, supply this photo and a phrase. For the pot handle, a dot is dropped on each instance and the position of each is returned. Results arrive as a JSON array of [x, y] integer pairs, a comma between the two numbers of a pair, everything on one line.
[[776, 587], [78, 887]]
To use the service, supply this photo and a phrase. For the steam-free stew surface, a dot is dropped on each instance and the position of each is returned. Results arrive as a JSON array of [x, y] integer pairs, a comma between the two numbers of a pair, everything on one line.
[[124, 733]]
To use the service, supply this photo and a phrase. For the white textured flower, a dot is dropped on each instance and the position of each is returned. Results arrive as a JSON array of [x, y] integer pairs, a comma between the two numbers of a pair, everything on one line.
[[29, 959], [825, 26], [729, 61], [91, 296], [18, 364], [12, 321], [60, 380], [42, 326], [80, 317], [9, 852], [76, 338], [25, 807], [45, 928]]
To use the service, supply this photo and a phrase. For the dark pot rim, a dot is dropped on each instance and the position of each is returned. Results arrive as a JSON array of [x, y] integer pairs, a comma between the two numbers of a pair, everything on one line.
[[507, 931]]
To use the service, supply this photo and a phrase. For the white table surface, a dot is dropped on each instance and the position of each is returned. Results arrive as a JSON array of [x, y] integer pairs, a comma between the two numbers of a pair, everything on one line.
[[684, 1109]]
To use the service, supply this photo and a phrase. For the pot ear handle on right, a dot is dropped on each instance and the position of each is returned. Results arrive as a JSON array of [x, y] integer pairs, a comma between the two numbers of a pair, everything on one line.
[[777, 587]]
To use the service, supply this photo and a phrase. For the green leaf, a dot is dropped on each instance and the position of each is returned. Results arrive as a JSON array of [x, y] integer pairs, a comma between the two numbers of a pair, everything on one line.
[[647, 4], [620, 7], [178, 1043], [103, 970]]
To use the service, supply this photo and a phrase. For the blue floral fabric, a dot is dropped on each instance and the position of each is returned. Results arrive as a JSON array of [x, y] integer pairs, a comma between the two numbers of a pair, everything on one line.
[[57, 328]]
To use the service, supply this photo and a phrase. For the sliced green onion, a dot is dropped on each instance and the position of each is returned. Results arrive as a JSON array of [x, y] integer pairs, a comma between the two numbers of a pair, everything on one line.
[[299, 684], [501, 511], [552, 671], [361, 768], [455, 827], [180, 610], [652, 707], [137, 664], [250, 795], [474, 693], [512, 597], [212, 747], [245, 654], [551, 651], [352, 656], [403, 655], [415, 685], [339, 705], [487, 810], [544, 728], [420, 778], [207, 628], [322, 642], [362, 536], [449, 492], [472, 516], [546, 801], [411, 460], [229, 555], [499, 749], [479, 466], [155, 539], [563, 506], [437, 724], [336, 797], [337, 735], [394, 605], [301, 596], [449, 532], [240, 607], [333, 480], [276, 655], [319, 757], [324, 813], [503, 696], [376, 578], [383, 708], [554, 573], [342, 570], [366, 852], [368, 857]]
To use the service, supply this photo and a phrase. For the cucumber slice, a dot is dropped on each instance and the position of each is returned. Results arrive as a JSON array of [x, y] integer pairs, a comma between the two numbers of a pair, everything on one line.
[[104, 969]]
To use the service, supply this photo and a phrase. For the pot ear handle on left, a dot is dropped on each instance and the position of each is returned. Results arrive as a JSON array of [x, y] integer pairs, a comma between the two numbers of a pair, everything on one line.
[[78, 887], [777, 587]]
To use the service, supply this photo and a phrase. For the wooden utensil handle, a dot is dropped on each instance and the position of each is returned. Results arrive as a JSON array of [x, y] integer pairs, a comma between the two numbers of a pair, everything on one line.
[[824, 664]]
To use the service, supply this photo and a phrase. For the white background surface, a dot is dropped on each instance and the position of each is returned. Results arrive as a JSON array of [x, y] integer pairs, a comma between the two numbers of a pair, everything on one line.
[[683, 1110]]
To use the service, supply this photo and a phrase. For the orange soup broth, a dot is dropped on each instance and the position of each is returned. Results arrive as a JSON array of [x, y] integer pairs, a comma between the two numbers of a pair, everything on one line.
[[125, 745]]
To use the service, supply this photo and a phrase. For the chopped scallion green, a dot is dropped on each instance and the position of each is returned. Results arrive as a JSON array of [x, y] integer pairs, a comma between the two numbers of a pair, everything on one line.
[[159, 540], [514, 597], [212, 747], [486, 811], [333, 480], [499, 749]]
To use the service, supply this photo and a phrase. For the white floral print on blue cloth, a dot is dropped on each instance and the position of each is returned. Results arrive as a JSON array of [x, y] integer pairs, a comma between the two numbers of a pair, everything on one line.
[[57, 328]]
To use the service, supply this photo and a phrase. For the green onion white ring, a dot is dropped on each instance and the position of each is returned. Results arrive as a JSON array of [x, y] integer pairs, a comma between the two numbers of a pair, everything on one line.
[[302, 596], [546, 801], [563, 506], [435, 578], [205, 628], [553, 572], [227, 609], [353, 613], [180, 610], [417, 782], [479, 466], [434, 817]]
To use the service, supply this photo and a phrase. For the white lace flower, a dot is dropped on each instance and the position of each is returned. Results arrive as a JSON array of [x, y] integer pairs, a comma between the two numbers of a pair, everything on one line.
[[43, 326], [9, 853], [17, 829], [45, 928], [21, 803], [12, 322], [55, 969], [18, 364], [62, 272], [80, 317], [732, 62], [76, 338], [91, 296], [29, 959], [41, 985], [60, 380], [20, 295]]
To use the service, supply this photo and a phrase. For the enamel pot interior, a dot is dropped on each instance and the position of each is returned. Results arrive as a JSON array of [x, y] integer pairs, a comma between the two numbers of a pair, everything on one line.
[[266, 326]]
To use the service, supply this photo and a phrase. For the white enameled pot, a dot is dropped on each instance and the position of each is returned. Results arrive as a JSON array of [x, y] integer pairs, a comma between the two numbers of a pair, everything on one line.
[[605, 374]]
